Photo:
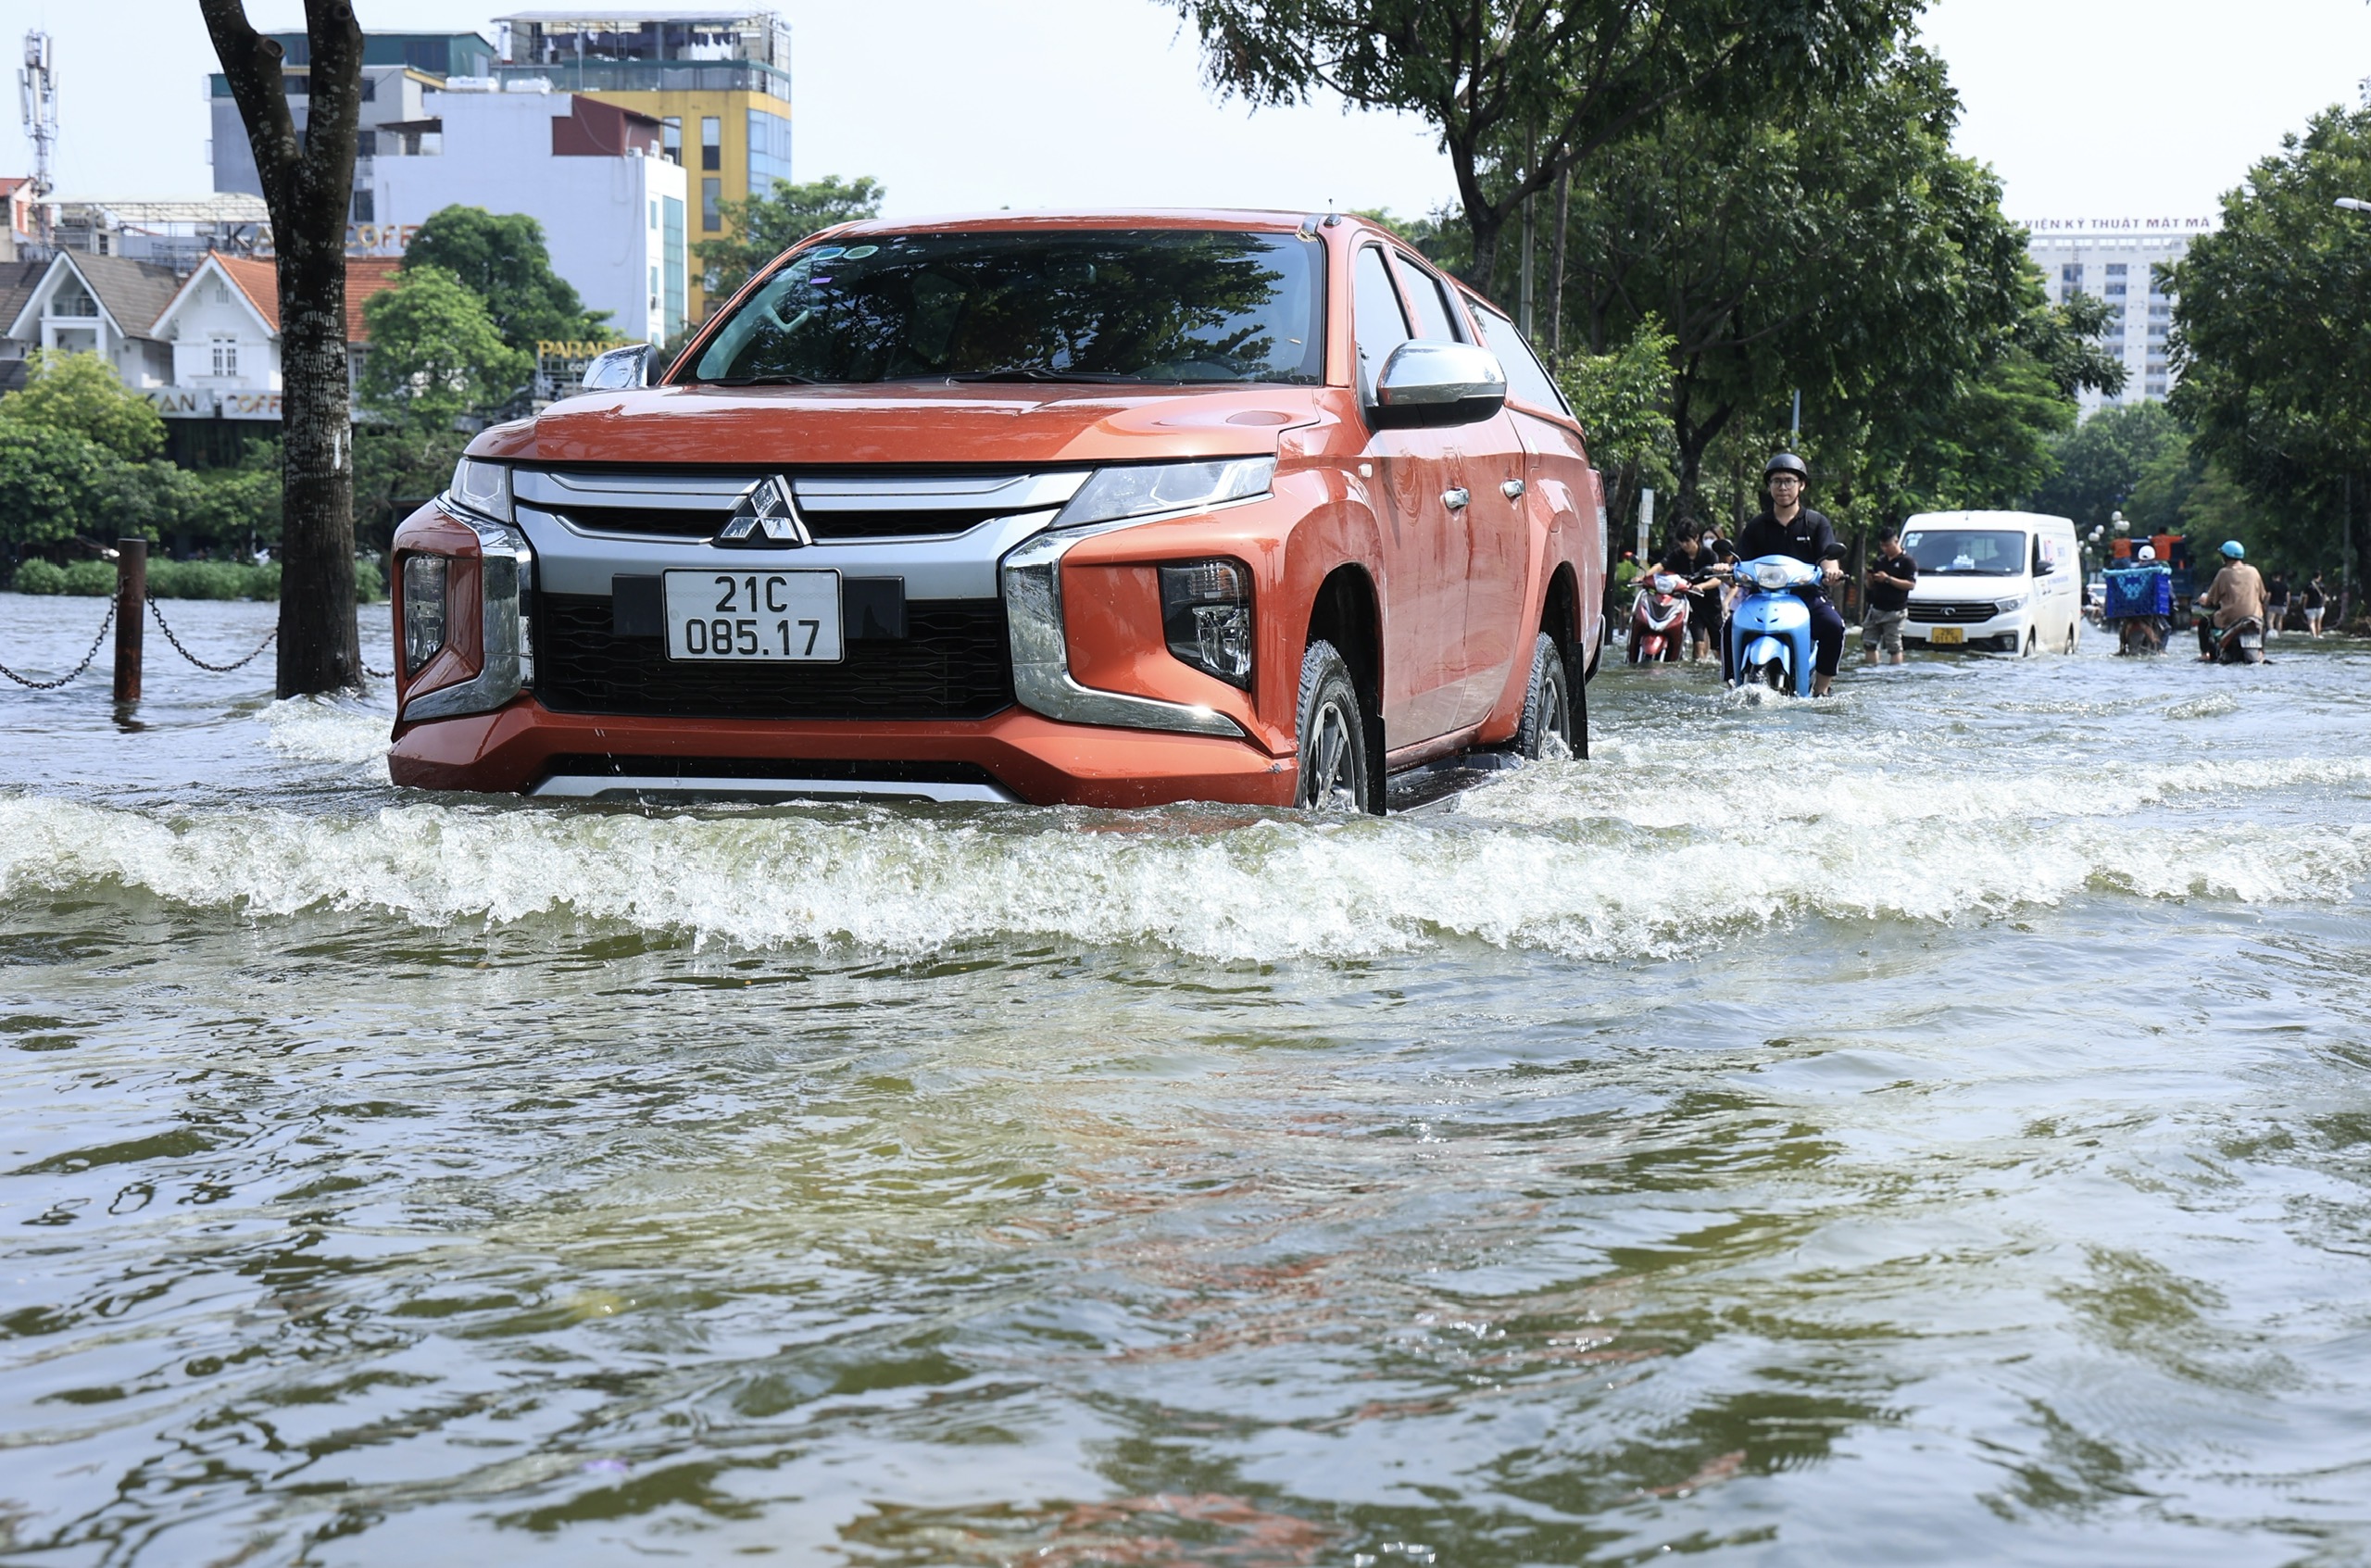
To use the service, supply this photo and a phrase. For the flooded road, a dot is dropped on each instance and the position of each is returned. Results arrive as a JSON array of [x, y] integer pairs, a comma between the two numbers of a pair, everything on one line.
[[1931, 1127]]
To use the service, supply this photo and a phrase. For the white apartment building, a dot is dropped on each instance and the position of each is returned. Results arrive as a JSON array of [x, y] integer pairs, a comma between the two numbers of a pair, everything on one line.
[[2115, 260], [591, 173]]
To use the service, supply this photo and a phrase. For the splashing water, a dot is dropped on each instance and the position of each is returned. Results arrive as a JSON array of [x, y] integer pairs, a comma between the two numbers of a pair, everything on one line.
[[1922, 1127]]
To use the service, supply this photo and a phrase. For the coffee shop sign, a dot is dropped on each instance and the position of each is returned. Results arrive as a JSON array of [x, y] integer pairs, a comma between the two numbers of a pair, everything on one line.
[[2121, 225], [206, 403]]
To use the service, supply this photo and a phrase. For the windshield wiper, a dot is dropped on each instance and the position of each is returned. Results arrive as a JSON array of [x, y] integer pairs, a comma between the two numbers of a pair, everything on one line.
[[1035, 372], [784, 379]]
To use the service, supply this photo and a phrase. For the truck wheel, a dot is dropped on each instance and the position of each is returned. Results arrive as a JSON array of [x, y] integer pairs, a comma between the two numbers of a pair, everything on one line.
[[1546, 728], [1334, 767]]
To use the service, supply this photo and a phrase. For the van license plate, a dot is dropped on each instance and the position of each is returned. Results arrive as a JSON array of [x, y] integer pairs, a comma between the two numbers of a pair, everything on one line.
[[1947, 636], [754, 617]]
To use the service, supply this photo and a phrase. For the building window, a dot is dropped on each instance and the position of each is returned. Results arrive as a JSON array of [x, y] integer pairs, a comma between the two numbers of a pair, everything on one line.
[[712, 141], [671, 139], [653, 215], [370, 92], [712, 205], [366, 143], [365, 204], [2116, 291], [72, 299], [226, 356], [672, 250], [769, 151]]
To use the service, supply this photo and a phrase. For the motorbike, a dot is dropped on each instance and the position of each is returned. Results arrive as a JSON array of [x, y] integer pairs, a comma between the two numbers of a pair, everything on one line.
[[2242, 643], [1659, 619], [2141, 635], [1770, 630]]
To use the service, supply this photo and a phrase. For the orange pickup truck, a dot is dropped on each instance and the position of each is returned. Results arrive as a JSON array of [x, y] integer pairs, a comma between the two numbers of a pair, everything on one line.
[[1106, 509]]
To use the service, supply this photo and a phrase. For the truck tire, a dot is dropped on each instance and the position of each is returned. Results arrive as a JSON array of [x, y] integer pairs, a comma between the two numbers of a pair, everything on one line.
[[1336, 773], [1547, 727]]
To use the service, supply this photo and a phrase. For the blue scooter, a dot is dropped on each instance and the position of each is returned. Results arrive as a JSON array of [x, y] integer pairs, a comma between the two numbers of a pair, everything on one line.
[[1770, 630]]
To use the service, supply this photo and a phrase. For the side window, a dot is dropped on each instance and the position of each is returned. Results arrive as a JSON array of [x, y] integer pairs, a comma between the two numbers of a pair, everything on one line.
[[1527, 380], [1382, 326], [1434, 318]]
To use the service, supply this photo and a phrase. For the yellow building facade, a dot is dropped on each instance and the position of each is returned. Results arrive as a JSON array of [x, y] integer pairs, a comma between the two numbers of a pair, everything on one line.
[[734, 144]]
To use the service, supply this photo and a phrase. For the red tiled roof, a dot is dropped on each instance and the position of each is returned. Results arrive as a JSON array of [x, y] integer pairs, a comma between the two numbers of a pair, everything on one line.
[[258, 280], [367, 275]]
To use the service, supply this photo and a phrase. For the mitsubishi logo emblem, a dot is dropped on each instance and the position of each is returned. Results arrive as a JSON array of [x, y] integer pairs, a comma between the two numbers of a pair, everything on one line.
[[766, 518]]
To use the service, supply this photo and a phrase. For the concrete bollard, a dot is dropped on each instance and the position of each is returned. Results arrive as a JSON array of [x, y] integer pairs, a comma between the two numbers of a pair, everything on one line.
[[131, 614]]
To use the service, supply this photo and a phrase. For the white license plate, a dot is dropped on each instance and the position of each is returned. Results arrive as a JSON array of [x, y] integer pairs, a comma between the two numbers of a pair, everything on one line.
[[755, 617], [1943, 634]]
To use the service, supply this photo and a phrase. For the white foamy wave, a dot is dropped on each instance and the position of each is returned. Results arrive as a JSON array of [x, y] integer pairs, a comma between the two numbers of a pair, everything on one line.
[[311, 729], [894, 881]]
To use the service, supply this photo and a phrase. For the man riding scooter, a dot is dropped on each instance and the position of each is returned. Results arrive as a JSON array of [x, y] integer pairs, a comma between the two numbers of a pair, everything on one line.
[[1789, 528], [2237, 598]]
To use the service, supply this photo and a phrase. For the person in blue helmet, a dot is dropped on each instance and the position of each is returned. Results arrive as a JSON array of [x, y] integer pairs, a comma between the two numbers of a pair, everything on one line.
[[1789, 528], [2236, 594]]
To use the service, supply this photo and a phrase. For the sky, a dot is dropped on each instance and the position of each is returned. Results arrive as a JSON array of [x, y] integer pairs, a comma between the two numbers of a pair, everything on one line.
[[2084, 108]]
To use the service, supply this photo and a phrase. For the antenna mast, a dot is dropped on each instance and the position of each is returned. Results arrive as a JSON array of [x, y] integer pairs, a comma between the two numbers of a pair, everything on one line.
[[37, 93]]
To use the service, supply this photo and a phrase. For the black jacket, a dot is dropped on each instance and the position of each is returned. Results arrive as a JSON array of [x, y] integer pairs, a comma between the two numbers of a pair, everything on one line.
[[1810, 538]]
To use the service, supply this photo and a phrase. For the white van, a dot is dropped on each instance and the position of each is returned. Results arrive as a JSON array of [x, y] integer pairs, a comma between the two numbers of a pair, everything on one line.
[[2011, 582]]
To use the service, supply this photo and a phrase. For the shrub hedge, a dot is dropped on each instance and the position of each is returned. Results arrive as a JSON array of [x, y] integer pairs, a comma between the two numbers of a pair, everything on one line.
[[182, 579]]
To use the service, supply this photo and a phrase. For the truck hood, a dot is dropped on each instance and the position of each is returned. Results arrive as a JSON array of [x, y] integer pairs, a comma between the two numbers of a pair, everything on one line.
[[972, 423]]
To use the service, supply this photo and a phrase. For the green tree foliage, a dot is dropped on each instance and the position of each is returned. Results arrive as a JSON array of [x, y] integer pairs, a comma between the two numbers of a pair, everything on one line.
[[2099, 464], [1522, 91], [55, 484], [436, 354], [2273, 339], [501, 259], [1623, 401], [762, 227], [81, 393], [1844, 251], [396, 467]]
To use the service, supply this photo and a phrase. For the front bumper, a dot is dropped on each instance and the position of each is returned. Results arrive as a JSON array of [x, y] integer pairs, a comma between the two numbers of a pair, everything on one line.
[[1026, 757], [1999, 628]]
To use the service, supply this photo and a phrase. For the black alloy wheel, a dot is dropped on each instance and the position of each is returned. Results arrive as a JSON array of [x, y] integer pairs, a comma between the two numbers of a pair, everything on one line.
[[1334, 767], [1546, 730]]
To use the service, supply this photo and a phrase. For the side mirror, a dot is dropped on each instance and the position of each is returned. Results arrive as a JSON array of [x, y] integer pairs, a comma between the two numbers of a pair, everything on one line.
[[619, 368], [2044, 567], [1428, 384]]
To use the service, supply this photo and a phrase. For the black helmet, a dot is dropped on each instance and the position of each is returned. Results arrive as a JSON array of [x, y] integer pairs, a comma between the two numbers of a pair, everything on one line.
[[1786, 462]]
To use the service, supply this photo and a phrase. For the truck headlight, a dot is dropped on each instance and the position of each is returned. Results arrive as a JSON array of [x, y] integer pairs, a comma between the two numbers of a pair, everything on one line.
[[424, 609], [1146, 489], [482, 487], [1206, 617], [2003, 606]]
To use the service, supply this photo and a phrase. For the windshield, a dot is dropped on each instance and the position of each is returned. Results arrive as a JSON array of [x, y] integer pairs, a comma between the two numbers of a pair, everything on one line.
[[1966, 552], [1164, 305]]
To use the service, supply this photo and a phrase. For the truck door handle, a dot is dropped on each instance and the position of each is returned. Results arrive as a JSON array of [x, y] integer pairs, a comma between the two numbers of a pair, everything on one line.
[[1455, 499], [1512, 490]]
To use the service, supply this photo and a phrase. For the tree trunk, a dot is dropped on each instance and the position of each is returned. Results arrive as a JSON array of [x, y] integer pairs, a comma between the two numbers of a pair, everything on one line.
[[308, 184], [1556, 267]]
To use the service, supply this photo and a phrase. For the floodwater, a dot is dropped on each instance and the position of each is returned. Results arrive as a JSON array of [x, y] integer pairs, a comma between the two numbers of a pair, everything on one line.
[[1932, 1126]]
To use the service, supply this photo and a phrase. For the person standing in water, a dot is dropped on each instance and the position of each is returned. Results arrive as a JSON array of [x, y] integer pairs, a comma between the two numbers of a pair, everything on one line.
[[1789, 528], [2316, 599], [1891, 576]]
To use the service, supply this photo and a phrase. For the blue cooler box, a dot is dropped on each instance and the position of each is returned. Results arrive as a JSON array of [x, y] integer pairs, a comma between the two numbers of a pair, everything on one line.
[[2137, 592]]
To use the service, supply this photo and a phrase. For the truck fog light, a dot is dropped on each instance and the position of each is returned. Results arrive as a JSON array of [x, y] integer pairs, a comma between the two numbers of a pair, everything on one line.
[[1206, 617], [424, 611]]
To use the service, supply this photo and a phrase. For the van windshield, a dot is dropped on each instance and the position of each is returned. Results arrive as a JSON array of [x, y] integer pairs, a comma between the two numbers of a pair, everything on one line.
[[1966, 552], [1164, 305]]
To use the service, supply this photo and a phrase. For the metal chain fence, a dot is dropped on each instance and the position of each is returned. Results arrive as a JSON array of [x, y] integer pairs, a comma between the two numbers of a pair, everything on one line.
[[166, 627], [70, 674], [158, 615]]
